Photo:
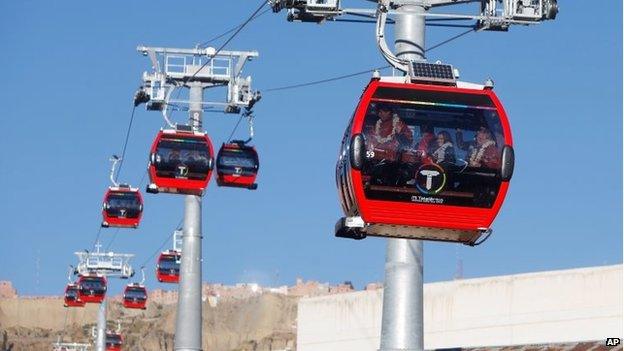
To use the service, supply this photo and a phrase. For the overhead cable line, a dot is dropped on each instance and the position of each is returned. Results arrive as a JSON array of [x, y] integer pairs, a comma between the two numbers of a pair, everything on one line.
[[238, 29], [112, 240], [327, 80], [97, 237], [204, 44], [161, 245], [234, 129], [125, 145], [301, 85], [472, 29]]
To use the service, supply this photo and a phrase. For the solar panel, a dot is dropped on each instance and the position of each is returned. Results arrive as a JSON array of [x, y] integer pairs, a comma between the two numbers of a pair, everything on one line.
[[432, 72], [184, 128]]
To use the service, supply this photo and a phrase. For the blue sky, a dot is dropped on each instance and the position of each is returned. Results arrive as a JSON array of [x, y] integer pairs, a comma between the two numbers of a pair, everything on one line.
[[70, 69]]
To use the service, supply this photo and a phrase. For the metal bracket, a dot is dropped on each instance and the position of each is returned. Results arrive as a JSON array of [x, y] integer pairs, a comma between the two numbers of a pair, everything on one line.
[[105, 263], [492, 17], [70, 346], [173, 68], [177, 240]]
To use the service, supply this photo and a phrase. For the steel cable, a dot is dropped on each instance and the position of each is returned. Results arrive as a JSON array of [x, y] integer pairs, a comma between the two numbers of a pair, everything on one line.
[[204, 44], [327, 80], [125, 145]]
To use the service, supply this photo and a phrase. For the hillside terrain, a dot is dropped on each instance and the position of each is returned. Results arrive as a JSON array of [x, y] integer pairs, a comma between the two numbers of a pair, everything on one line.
[[265, 322]]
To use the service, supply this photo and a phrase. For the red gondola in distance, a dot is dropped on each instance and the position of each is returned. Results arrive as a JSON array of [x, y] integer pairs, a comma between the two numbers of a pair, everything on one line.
[[237, 165], [135, 296], [168, 267], [92, 288], [114, 341], [72, 296], [424, 161], [122, 207], [181, 162]]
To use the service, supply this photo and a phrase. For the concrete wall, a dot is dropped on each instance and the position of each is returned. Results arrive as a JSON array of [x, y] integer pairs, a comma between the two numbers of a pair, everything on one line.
[[547, 307]]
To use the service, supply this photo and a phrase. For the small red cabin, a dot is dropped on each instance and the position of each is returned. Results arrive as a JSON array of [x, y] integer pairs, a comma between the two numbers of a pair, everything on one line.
[[122, 207], [92, 288], [424, 161], [114, 341], [181, 162], [168, 267], [135, 296], [237, 165], [72, 296]]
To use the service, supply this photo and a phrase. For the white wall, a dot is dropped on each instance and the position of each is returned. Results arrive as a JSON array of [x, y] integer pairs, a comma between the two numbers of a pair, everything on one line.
[[559, 306]]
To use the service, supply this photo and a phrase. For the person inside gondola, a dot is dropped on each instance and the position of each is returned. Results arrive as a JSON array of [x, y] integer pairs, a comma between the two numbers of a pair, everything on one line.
[[425, 144], [483, 152], [388, 137], [444, 153], [174, 156], [196, 158]]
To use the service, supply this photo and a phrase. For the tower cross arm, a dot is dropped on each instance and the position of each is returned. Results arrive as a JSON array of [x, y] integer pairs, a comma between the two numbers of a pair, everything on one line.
[[209, 51], [435, 3]]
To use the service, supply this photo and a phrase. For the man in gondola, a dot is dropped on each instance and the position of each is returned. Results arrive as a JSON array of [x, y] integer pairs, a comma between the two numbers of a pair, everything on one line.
[[483, 151], [388, 137]]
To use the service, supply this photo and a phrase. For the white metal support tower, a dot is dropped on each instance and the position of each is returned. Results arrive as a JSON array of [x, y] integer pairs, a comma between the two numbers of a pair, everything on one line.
[[402, 327], [195, 69], [107, 264]]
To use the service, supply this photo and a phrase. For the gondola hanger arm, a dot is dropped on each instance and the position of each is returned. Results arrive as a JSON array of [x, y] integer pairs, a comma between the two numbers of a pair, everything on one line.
[[382, 15], [114, 159], [142, 276], [70, 273], [166, 108]]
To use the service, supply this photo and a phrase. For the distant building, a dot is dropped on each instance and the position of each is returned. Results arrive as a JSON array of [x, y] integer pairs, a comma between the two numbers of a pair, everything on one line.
[[579, 308], [164, 297], [308, 289], [6, 290]]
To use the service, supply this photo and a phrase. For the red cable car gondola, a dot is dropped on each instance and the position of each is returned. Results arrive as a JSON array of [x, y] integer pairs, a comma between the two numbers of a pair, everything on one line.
[[92, 288], [114, 341], [122, 207], [424, 161], [237, 165], [181, 162], [72, 296], [168, 267], [135, 296]]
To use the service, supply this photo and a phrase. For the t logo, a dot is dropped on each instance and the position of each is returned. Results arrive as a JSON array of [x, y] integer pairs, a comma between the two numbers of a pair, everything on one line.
[[613, 341], [429, 174], [430, 179], [183, 171]]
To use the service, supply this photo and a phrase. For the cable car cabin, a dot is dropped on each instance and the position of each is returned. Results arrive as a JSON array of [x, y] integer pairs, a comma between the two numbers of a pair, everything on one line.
[[168, 267], [181, 162], [135, 296], [123, 207], [237, 165], [92, 288], [72, 298], [114, 341], [423, 161]]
